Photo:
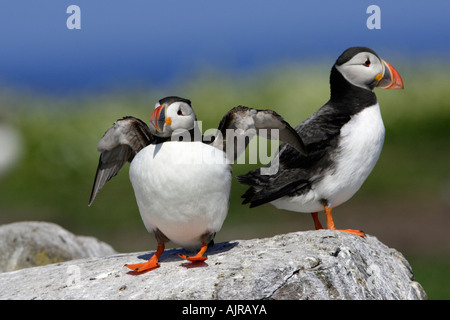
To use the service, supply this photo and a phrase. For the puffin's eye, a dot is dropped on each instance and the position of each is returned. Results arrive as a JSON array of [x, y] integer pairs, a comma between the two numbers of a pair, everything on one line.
[[367, 62], [179, 112]]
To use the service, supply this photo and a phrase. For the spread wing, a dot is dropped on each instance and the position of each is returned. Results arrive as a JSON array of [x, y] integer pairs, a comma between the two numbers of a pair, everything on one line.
[[119, 145], [241, 124]]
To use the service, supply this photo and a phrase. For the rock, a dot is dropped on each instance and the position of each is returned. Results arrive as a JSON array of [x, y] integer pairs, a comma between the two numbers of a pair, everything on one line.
[[30, 244], [320, 264]]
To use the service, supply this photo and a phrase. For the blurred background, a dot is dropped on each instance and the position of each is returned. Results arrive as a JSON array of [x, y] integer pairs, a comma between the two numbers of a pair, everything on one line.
[[61, 89]]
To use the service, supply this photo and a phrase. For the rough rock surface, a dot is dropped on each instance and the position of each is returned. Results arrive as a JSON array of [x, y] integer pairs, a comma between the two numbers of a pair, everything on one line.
[[302, 265], [29, 244]]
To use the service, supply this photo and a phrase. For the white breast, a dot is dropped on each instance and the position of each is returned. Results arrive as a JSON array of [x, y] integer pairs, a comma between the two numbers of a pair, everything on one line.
[[358, 151], [360, 147], [181, 188]]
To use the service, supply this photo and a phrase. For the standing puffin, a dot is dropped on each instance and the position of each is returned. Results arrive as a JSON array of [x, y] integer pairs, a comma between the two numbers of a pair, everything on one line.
[[343, 138], [181, 179]]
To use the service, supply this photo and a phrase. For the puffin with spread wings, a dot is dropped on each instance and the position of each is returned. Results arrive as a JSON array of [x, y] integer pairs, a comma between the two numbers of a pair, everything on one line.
[[182, 183]]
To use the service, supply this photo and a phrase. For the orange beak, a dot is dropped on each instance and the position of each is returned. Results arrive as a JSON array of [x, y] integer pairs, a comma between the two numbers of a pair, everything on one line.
[[158, 118], [391, 78]]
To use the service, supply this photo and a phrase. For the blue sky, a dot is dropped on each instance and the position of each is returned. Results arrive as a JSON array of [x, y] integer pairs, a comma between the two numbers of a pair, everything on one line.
[[156, 42]]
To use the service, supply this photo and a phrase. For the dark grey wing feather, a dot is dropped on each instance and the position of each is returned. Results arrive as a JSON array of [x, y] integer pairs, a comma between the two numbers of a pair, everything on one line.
[[108, 167], [119, 145], [245, 123]]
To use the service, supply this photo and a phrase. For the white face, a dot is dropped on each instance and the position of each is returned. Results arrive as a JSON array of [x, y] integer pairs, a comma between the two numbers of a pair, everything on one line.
[[363, 70], [182, 117]]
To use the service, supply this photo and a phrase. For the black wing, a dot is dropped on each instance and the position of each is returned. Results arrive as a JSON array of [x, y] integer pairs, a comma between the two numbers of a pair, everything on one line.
[[244, 123], [297, 171], [119, 145]]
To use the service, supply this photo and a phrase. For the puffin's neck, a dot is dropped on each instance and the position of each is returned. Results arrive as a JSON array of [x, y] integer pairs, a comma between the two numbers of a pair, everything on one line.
[[348, 96]]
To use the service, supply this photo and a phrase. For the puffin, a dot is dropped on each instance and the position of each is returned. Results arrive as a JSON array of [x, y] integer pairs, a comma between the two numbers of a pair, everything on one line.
[[343, 140], [182, 179]]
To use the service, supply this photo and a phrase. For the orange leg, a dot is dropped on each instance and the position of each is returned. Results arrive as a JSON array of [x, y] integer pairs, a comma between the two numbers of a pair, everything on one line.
[[199, 256], [317, 223], [150, 264], [330, 223]]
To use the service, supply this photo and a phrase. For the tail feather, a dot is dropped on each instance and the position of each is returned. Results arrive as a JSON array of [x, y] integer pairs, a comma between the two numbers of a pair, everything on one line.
[[252, 179], [248, 195], [262, 189]]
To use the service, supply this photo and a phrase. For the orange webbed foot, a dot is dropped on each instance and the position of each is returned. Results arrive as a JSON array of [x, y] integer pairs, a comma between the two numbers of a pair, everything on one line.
[[150, 264], [193, 258], [198, 257], [352, 231], [141, 267], [330, 224]]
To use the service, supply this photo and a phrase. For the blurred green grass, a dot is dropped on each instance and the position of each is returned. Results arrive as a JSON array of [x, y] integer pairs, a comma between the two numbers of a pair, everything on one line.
[[53, 179]]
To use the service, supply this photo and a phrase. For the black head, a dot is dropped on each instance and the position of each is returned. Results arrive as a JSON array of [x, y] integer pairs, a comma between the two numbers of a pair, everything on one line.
[[348, 54], [171, 99]]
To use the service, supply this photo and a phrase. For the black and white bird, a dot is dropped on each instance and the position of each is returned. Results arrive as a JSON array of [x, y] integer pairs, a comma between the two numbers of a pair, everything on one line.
[[343, 138], [181, 179]]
